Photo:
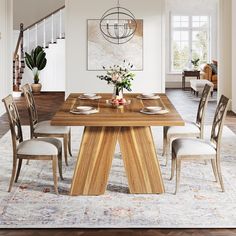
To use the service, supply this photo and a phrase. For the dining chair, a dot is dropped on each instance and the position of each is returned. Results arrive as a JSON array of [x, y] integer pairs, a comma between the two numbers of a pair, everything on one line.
[[188, 149], [191, 129], [44, 128], [33, 149]]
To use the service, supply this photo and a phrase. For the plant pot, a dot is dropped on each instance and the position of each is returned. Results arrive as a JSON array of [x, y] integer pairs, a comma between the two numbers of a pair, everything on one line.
[[36, 88]]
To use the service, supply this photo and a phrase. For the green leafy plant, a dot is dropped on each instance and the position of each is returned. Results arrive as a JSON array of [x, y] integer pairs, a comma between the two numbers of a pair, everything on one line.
[[36, 61], [119, 76], [195, 62]]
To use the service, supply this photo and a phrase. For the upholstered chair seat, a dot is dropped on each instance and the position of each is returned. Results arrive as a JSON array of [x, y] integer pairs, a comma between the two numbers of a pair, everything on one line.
[[189, 128], [42, 146], [45, 127], [188, 148]]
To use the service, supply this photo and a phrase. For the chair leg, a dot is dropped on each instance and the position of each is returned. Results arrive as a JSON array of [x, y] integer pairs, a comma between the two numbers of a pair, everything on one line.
[[13, 174], [213, 163], [60, 165], [165, 145], [18, 170], [220, 175], [173, 166], [69, 143], [65, 144], [178, 168], [54, 170]]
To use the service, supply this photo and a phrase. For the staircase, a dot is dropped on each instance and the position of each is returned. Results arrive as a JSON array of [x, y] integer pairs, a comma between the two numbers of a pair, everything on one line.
[[48, 32]]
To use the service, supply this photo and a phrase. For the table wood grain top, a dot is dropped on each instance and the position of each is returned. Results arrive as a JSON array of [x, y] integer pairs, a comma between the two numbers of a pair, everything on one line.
[[128, 115]]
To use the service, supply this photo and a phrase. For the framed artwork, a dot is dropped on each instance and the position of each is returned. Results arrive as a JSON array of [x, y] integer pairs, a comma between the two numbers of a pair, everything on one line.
[[101, 53]]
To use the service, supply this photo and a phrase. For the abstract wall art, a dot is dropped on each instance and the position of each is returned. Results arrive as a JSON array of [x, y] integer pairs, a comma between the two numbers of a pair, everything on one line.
[[101, 53]]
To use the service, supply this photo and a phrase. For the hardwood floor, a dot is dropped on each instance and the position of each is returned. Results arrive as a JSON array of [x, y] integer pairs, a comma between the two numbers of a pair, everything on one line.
[[49, 103]]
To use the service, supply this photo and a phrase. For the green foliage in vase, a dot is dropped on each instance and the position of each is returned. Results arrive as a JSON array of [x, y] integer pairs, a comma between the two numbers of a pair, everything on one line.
[[36, 61], [119, 76]]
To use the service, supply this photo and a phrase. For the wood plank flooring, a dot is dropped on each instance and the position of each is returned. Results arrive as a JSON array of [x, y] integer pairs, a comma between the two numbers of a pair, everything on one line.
[[49, 103]]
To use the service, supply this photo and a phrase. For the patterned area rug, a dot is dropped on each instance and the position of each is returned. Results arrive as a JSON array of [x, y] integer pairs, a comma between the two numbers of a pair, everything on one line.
[[199, 203]]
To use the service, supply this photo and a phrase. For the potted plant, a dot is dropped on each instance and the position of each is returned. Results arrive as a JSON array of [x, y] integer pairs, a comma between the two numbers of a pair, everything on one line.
[[36, 61], [195, 63]]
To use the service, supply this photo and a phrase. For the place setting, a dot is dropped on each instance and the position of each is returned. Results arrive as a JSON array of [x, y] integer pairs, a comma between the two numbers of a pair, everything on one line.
[[154, 110], [84, 110], [89, 96], [148, 96]]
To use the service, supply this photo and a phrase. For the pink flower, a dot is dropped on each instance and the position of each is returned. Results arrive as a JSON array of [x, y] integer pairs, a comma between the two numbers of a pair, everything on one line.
[[115, 77]]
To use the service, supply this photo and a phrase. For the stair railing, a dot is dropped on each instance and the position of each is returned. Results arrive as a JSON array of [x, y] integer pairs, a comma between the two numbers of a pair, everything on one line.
[[42, 33], [18, 60]]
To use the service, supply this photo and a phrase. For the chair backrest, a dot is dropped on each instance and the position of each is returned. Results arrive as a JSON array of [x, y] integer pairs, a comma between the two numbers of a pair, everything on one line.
[[202, 108], [14, 122], [218, 122], [33, 115]]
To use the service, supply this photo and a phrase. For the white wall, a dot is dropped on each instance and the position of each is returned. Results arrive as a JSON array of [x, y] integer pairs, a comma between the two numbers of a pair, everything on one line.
[[52, 77], [234, 56], [193, 7], [6, 35], [225, 48], [29, 11], [78, 79]]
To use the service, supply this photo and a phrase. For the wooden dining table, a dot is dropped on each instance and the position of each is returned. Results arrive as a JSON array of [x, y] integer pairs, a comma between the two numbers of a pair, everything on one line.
[[102, 130]]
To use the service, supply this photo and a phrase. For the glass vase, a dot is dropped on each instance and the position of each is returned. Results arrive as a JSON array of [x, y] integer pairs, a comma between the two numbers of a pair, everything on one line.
[[117, 92]]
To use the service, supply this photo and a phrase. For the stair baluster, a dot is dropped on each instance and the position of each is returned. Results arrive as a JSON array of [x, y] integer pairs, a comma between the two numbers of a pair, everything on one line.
[[55, 31]]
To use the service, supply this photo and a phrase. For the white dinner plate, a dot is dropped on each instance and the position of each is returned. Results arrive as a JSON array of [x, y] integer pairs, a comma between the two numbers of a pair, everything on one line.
[[161, 112], [89, 95], [84, 108], [90, 98], [153, 108], [148, 95], [84, 112], [148, 98]]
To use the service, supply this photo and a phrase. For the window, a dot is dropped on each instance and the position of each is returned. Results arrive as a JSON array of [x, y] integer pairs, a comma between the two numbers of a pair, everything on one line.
[[190, 39]]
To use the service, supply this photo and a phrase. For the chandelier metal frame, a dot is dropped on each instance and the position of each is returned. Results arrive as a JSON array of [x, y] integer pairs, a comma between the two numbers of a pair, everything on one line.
[[118, 25]]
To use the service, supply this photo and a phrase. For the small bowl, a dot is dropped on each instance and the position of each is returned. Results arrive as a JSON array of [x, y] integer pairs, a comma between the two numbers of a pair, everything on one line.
[[84, 108], [148, 95], [153, 109], [89, 95]]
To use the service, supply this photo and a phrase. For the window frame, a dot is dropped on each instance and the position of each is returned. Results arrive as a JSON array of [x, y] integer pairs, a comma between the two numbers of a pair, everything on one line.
[[190, 30]]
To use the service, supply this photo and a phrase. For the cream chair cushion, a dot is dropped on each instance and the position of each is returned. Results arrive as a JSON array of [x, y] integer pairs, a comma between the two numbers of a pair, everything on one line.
[[45, 127], [42, 146], [198, 84], [190, 128], [192, 147]]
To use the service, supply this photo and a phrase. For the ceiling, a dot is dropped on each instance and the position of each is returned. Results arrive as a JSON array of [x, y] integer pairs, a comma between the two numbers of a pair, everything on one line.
[[29, 11]]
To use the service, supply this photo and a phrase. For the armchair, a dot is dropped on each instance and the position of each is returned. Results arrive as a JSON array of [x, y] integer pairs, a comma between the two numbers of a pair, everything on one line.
[[210, 72]]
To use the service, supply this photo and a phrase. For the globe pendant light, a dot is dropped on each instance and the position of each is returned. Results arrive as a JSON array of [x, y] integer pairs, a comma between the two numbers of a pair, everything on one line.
[[118, 25]]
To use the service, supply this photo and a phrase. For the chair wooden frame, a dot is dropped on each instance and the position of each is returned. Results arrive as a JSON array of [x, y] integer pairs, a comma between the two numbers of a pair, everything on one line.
[[199, 122], [33, 115], [216, 135], [17, 138]]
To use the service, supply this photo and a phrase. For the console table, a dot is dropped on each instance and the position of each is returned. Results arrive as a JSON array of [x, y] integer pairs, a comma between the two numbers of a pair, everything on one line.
[[189, 73]]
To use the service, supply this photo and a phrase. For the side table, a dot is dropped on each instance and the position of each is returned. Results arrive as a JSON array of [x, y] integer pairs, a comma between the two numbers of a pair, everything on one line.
[[189, 73]]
